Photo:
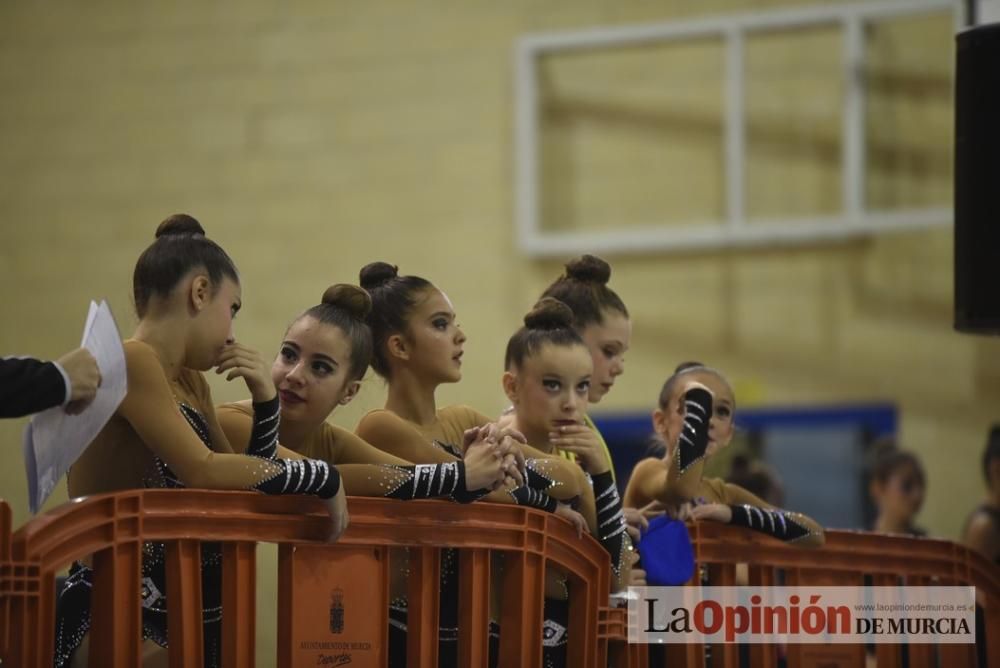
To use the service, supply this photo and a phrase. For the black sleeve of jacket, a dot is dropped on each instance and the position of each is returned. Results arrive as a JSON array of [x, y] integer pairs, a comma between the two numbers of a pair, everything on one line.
[[28, 386]]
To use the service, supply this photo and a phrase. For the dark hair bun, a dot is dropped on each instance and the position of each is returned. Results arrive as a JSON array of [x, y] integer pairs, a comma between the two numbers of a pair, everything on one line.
[[376, 274], [684, 366], [350, 298], [179, 224], [549, 313], [884, 446], [589, 269]]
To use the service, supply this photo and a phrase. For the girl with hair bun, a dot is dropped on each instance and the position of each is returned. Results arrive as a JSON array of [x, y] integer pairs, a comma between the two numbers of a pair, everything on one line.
[[603, 323], [323, 356], [418, 346], [547, 376], [695, 419], [165, 433], [601, 320]]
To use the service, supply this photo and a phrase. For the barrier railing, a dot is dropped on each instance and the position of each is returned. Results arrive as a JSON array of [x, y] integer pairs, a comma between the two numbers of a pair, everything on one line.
[[847, 558], [321, 586], [112, 528]]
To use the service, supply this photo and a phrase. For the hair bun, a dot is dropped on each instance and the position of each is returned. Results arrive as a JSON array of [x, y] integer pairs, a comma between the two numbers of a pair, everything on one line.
[[179, 224], [589, 269], [350, 298], [549, 313], [883, 447], [686, 366], [376, 274]]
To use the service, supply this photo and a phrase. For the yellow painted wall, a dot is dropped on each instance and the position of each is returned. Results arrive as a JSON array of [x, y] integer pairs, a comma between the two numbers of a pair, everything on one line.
[[312, 136]]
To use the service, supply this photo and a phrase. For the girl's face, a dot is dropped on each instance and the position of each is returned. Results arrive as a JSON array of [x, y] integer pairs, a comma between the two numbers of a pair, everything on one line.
[[432, 345], [901, 495], [213, 324], [311, 370], [550, 389], [608, 342], [668, 422]]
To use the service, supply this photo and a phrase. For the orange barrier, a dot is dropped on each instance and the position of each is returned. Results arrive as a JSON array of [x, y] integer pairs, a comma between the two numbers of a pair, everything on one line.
[[351, 577], [847, 558], [113, 527]]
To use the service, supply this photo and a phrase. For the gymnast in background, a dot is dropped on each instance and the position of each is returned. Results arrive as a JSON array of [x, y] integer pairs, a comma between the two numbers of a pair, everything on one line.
[[694, 418], [604, 326], [982, 527], [897, 487]]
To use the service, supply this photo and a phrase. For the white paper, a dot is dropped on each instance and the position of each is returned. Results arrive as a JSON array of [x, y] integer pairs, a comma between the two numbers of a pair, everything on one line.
[[53, 440]]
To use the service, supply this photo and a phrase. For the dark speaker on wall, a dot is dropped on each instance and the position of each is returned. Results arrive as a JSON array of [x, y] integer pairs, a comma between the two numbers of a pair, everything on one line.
[[977, 180]]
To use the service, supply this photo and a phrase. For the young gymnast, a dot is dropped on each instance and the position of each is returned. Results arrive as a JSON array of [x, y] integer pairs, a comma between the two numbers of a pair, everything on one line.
[[418, 346], [323, 356], [547, 377], [897, 488], [604, 324], [602, 321], [165, 433], [695, 419]]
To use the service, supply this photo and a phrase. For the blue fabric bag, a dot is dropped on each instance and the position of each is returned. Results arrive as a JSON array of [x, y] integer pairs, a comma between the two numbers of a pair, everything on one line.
[[665, 549]]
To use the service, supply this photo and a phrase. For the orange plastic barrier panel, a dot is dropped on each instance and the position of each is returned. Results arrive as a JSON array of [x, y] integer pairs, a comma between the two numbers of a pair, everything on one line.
[[333, 599], [847, 558]]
